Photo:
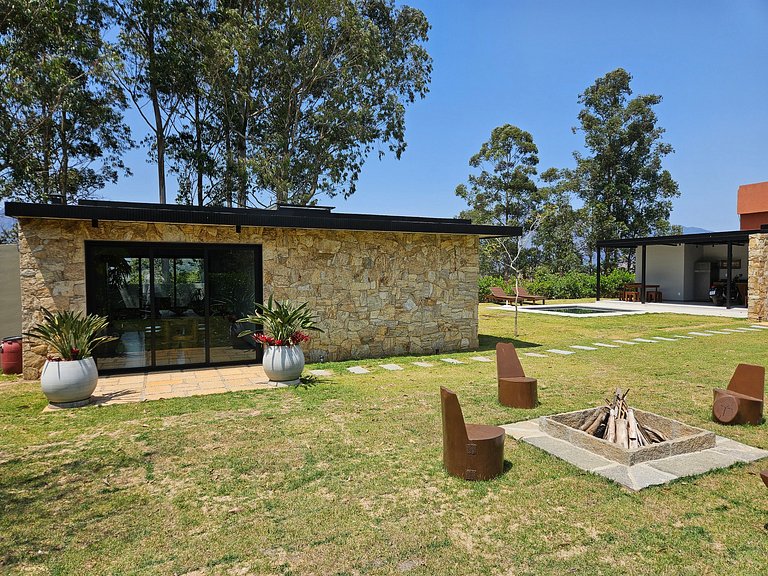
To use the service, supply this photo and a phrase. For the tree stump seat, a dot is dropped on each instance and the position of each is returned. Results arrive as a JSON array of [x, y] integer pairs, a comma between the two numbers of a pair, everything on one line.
[[742, 401]]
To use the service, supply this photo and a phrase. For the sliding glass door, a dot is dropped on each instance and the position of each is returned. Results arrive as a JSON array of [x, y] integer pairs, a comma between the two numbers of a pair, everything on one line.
[[173, 304]]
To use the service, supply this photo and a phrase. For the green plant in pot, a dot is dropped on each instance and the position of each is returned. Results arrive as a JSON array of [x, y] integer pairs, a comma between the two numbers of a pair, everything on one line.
[[69, 375], [284, 328]]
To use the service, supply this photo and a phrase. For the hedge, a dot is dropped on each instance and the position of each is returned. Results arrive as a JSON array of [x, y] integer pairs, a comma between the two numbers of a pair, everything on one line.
[[569, 285]]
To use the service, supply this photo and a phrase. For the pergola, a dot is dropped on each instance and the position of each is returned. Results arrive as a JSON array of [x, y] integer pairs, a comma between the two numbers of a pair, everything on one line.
[[729, 239]]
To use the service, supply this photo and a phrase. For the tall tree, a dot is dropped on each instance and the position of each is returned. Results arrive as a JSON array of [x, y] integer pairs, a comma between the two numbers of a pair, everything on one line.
[[333, 89], [153, 70], [60, 112], [503, 190], [625, 190]]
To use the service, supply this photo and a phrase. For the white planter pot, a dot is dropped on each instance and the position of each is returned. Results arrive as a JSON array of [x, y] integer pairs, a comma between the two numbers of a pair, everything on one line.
[[283, 364], [69, 381]]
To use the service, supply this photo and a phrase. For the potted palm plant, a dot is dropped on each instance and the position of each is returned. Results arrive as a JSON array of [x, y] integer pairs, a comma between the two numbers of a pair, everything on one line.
[[284, 328], [69, 375]]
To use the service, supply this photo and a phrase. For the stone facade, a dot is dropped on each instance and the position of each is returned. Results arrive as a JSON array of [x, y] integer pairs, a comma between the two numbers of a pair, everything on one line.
[[374, 293], [758, 277]]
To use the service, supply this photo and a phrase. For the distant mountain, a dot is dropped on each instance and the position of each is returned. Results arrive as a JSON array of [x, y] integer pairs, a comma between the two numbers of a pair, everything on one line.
[[694, 230]]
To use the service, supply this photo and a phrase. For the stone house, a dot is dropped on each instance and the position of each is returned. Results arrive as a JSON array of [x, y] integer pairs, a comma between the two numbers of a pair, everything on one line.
[[175, 281]]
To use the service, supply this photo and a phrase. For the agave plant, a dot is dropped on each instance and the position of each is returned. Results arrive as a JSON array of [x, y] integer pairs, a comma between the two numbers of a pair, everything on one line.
[[72, 335], [283, 323]]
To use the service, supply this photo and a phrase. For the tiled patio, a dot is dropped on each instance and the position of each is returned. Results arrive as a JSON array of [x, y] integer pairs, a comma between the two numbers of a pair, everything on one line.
[[126, 388]]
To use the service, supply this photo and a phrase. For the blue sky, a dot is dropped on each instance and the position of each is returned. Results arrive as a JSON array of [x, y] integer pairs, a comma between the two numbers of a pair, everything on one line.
[[524, 62]]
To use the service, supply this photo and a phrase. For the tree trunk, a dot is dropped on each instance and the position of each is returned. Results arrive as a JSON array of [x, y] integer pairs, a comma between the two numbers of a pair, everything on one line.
[[64, 170], [158, 128], [199, 150]]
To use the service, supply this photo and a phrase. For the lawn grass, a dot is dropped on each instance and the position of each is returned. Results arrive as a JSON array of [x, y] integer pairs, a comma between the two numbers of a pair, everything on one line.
[[345, 476]]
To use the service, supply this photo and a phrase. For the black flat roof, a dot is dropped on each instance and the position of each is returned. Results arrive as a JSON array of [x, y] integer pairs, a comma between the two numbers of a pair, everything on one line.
[[282, 216], [734, 236]]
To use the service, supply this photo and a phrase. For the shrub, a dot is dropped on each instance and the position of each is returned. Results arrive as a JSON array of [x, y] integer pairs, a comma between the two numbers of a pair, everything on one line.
[[569, 285]]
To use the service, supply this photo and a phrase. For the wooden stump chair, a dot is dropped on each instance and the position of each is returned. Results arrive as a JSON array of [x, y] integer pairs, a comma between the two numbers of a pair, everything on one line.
[[764, 476], [516, 390], [742, 402], [470, 451]]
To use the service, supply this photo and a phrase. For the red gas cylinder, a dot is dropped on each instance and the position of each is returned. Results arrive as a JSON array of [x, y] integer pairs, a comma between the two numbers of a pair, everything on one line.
[[10, 355]]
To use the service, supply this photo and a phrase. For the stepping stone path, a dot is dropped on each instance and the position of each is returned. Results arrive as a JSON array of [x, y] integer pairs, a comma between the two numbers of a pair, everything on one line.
[[391, 366], [321, 372], [358, 370], [594, 346]]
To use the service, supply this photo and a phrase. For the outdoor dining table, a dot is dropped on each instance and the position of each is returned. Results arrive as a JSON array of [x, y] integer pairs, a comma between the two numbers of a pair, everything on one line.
[[640, 288]]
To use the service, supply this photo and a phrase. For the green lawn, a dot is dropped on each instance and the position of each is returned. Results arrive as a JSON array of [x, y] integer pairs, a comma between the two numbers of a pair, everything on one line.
[[345, 476]]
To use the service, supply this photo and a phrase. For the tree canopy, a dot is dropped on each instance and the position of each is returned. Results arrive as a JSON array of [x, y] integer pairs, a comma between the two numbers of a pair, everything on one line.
[[625, 190]]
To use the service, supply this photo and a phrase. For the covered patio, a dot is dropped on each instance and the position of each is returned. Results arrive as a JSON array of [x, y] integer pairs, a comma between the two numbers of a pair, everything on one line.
[[684, 266]]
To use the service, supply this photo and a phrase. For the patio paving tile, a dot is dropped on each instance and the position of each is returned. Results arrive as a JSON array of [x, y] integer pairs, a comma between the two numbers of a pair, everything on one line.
[[627, 342], [535, 355], [452, 361], [664, 338], [423, 364], [760, 326], [321, 372], [701, 333], [603, 345], [577, 347], [684, 337], [357, 370], [481, 358], [561, 352], [718, 332], [391, 367], [646, 340]]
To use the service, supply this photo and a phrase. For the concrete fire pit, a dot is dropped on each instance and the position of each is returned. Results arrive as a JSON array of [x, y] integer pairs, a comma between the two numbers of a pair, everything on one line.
[[683, 439], [690, 451]]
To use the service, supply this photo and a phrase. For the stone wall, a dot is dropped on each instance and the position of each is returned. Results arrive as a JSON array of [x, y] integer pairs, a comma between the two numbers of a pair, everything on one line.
[[758, 277], [374, 293]]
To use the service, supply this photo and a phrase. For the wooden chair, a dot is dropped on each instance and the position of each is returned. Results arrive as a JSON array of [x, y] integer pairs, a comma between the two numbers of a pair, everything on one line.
[[470, 451], [653, 296], [516, 390], [500, 296], [764, 476], [742, 402], [524, 296]]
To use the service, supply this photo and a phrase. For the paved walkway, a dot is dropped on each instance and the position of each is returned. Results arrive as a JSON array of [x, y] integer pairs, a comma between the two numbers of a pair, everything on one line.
[[125, 388]]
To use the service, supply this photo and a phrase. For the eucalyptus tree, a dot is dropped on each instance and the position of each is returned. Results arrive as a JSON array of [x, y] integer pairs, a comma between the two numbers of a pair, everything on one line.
[[334, 88], [152, 70], [502, 191], [625, 190], [60, 112]]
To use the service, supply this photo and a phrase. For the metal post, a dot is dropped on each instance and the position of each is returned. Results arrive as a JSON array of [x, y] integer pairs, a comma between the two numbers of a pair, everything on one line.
[[728, 274], [597, 292], [642, 278]]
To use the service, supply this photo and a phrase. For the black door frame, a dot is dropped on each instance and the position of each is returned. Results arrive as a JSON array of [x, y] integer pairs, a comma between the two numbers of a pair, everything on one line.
[[152, 248]]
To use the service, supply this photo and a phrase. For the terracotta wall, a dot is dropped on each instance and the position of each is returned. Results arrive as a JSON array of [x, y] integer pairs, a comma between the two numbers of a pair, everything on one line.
[[374, 293]]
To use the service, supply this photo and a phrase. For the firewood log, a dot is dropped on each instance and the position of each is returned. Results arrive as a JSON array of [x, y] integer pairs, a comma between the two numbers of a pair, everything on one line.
[[622, 435], [610, 433], [654, 432], [633, 442], [597, 421]]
